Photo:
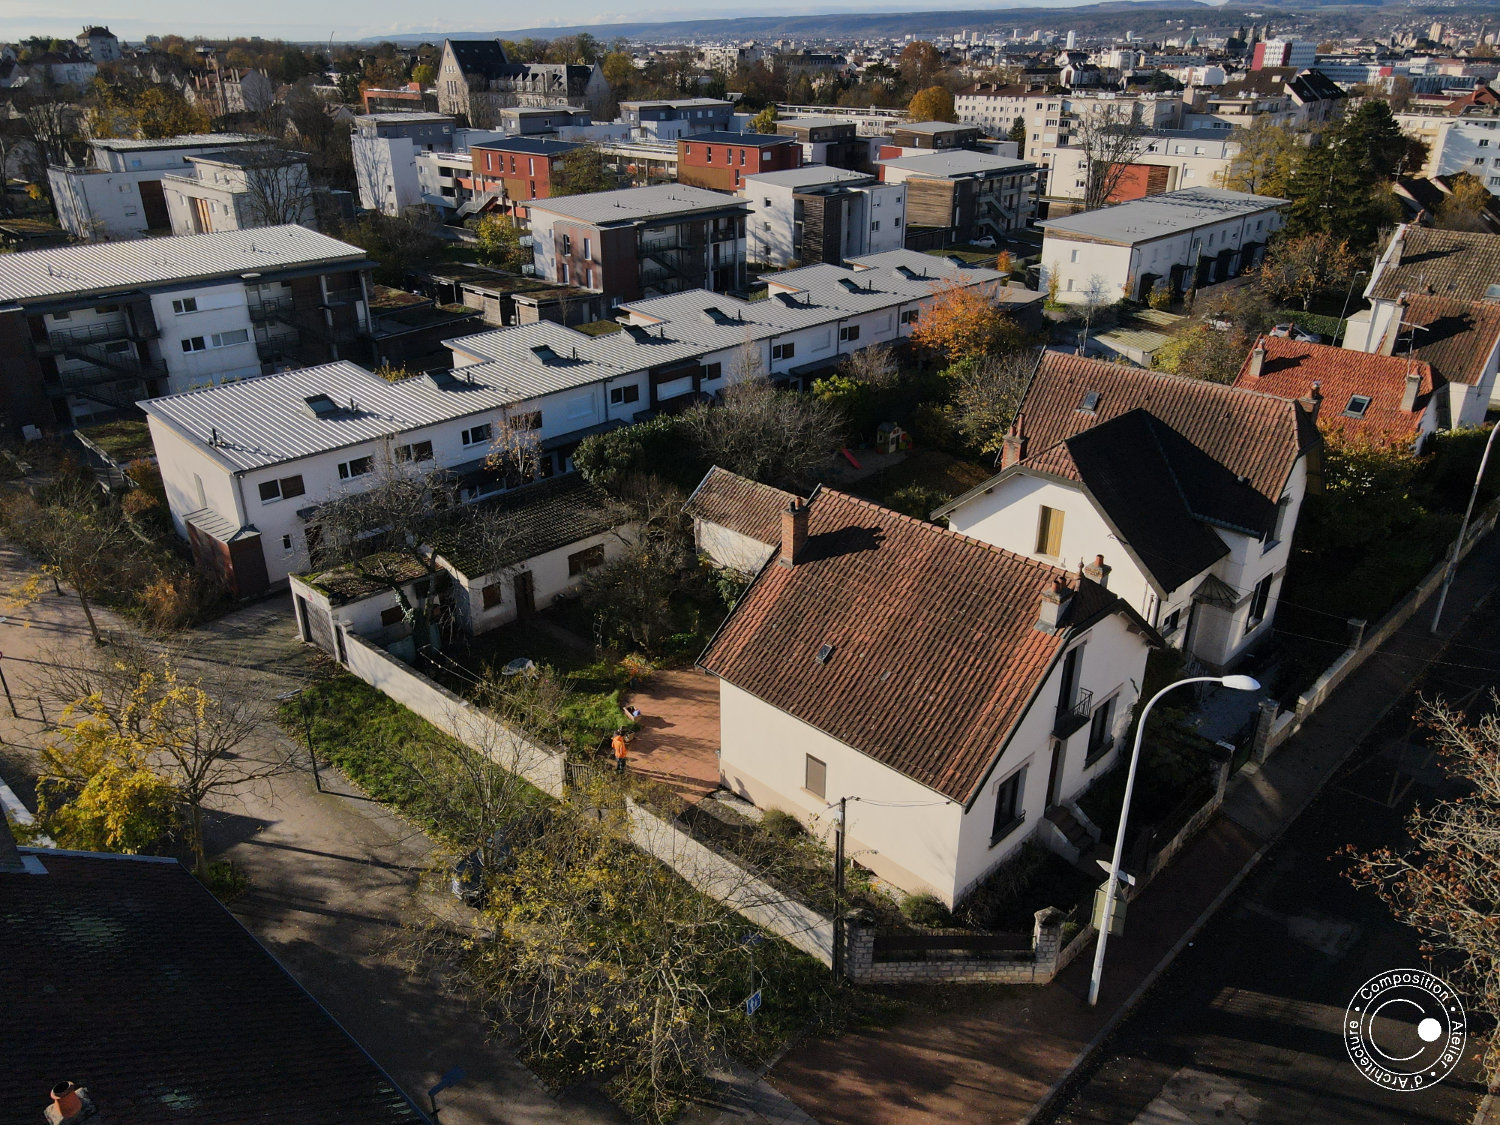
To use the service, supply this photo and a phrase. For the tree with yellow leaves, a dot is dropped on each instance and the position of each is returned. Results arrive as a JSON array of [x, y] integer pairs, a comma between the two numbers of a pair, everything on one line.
[[963, 323], [932, 104]]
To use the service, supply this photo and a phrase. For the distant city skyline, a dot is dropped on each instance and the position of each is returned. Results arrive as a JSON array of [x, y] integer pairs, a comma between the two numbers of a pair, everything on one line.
[[319, 20]]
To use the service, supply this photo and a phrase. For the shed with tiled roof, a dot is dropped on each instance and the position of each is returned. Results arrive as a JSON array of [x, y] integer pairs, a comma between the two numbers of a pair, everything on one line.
[[736, 521]]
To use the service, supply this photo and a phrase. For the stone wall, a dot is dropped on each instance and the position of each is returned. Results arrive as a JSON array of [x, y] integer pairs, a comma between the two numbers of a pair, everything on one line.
[[456, 716], [1036, 967], [722, 879]]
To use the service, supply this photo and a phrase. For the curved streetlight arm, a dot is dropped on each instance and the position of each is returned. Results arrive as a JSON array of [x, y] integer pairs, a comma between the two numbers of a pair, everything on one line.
[[1114, 869], [1463, 529]]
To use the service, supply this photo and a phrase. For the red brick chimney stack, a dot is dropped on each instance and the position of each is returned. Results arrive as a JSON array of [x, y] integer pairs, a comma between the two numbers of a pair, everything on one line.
[[793, 532]]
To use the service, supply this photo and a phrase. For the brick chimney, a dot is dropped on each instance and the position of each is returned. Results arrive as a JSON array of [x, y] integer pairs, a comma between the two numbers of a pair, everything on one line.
[[1398, 244], [1013, 446], [1257, 358], [793, 532], [1056, 599], [1409, 395], [1097, 571], [1314, 400]]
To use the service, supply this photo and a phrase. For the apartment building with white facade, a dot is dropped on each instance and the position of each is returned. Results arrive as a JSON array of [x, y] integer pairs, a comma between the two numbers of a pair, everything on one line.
[[960, 195], [670, 119], [86, 330], [385, 148], [1183, 240], [119, 193], [821, 214], [245, 464], [1051, 119], [1187, 158], [1471, 143], [240, 189]]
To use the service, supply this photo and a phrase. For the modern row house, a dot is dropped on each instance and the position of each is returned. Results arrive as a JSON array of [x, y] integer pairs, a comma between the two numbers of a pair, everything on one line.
[[246, 464], [1181, 240], [385, 147], [958, 196], [87, 330]]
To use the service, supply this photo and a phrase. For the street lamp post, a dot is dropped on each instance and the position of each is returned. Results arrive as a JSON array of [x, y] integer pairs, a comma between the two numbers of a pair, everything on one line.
[[1238, 683], [1463, 529]]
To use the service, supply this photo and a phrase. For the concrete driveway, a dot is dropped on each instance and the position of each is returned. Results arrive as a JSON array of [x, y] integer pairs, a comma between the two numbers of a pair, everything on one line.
[[333, 874]]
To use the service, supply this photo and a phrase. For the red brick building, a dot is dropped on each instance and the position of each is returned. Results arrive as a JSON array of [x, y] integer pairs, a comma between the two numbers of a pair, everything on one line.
[[517, 168], [721, 161]]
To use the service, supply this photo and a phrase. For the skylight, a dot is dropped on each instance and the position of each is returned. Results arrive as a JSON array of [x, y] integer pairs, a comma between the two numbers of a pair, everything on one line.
[[320, 406], [1358, 404], [1090, 403], [545, 353]]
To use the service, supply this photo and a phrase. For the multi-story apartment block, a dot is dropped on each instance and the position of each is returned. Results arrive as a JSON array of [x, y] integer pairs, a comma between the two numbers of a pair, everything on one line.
[[1281, 95], [669, 119], [994, 107], [534, 120], [120, 194], [476, 80], [515, 170], [720, 161], [958, 195], [641, 242], [933, 136], [100, 44], [822, 214], [1051, 120], [244, 188], [1283, 52], [1471, 144], [828, 140], [1182, 239], [1166, 161], [385, 148], [85, 331], [245, 465]]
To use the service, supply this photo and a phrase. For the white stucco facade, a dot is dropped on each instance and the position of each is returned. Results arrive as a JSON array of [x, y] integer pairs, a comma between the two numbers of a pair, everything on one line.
[[909, 834]]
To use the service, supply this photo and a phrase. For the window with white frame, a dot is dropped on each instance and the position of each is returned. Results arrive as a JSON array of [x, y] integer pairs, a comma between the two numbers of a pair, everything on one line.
[[476, 435], [618, 396], [185, 305], [357, 467]]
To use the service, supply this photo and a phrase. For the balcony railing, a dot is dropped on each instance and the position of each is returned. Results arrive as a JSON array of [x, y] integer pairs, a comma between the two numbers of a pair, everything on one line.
[[1073, 715], [270, 309]]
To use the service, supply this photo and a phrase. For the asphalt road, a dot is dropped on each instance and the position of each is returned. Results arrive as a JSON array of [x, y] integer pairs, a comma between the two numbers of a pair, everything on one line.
[[1246, 1026]]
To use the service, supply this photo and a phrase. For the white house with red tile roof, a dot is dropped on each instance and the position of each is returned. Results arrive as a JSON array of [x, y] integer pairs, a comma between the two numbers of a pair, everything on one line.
[[959, 695], [1387, 400], [1179, 494]]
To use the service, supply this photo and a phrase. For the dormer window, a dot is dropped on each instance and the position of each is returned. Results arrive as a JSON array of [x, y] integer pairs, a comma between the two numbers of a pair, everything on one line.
[[1358, 404]]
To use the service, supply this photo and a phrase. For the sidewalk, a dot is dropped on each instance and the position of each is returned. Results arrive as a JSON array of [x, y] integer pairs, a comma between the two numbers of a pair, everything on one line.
[[997, 1054]]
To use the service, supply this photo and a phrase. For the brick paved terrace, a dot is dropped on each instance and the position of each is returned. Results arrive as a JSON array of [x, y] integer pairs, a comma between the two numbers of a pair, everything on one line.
[[678, 743]]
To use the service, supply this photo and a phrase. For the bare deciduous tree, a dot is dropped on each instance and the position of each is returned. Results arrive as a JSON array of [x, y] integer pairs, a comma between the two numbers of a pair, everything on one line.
[[988, 393], [767, 434], [515, 449], [277, 191], [875, 365], [1111, 136]]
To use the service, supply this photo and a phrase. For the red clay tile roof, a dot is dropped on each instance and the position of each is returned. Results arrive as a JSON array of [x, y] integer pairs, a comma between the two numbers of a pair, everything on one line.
[[1252, 436], [1458, 337], [740, 504], [1291, 367], [1442, 263], [129, 978], [935, 650]]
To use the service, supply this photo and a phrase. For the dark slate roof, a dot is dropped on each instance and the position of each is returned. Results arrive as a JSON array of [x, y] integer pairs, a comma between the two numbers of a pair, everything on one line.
[[749, 140], [740, 504], [1455, 337], [541, 517], [126, 976], [1211, 435], [936, 655], [1124, 465], [1441, 263], [529, 146], [1315, 86], [480, 58]]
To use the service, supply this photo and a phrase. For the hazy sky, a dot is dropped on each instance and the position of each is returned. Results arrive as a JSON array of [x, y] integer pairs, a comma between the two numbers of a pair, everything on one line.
[[316, 20]]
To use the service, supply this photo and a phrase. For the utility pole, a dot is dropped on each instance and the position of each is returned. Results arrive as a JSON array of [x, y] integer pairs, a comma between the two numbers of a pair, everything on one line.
[[838, 892]]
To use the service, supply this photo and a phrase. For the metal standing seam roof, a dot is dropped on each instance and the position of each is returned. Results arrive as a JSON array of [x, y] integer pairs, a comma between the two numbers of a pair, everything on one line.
[[186, 140], [958, 162], [1160, 216], [90, 267], [255, 423], [530, 146], [629, 205]]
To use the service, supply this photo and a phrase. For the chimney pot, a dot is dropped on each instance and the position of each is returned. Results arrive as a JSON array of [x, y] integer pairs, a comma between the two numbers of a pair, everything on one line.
[[1097, 571], [70, 1104], [1013, 445], [793, 532], [1314, 399], [1258, 358], [1409, 394], [1056, 599]]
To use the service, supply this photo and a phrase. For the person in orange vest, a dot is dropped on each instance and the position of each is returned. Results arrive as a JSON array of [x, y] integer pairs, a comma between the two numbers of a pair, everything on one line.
[[621, 749]]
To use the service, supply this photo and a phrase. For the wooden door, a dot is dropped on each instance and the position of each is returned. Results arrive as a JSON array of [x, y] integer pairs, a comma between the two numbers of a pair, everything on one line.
[[525, 587]]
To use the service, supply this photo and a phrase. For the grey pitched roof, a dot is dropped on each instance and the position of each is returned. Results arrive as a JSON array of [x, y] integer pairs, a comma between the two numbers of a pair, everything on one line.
[[1160, 216], [630, 205], [95, 267], [958, 162], [543, 516], [482, 58], [186, 140]]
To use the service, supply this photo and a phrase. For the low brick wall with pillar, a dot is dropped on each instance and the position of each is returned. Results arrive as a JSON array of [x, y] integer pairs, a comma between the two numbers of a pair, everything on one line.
[[957, 966]]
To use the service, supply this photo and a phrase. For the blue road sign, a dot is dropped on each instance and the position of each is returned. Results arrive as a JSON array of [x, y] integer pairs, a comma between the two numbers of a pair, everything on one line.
[[752, 1003]]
